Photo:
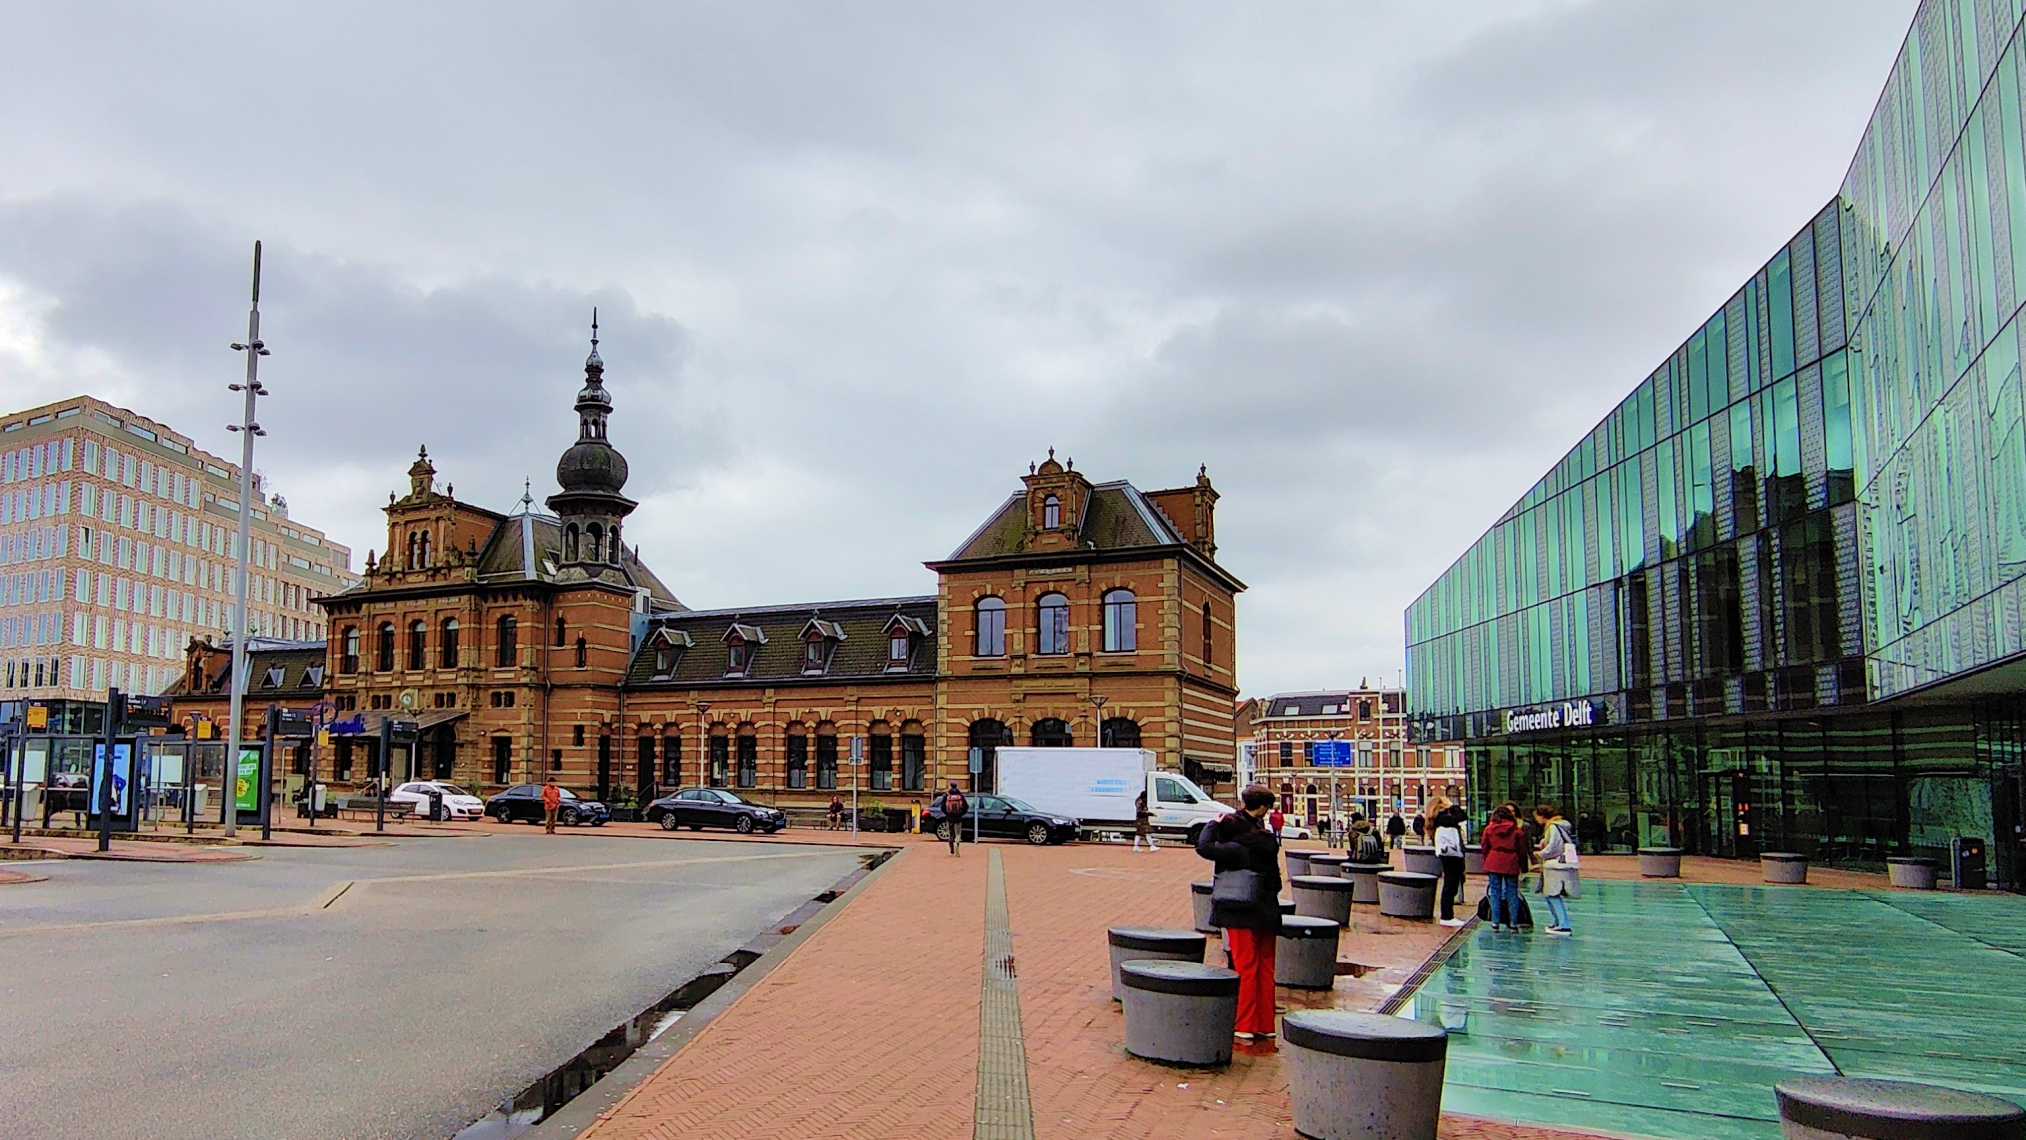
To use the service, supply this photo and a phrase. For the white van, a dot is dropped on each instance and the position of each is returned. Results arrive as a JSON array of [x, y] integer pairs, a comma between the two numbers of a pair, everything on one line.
[[1098, 787]]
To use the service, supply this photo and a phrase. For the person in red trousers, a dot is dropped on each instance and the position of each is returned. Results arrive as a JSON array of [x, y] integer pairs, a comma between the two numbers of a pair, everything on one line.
[[1239, 844]]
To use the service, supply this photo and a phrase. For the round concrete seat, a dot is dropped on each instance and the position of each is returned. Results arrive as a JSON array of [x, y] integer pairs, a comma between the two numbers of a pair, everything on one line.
[[1365, 880], [1784, 867], [1407, 894], [1305, 957], [1913, 874], [1137, 943], [1199, 905], [1363, 1076], [1297, 862], [1326, 863], [1323, 896], [1286, 906], [1660, 862], [1421, 860], [1181, 1013], [1826, 1108], [1473, 861]]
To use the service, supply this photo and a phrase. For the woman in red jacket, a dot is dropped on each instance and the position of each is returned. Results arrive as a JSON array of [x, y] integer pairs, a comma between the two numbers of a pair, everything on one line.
[[1505, 859]]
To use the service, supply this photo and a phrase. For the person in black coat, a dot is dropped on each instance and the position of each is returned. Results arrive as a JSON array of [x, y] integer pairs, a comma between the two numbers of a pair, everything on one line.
[[1241, 842]]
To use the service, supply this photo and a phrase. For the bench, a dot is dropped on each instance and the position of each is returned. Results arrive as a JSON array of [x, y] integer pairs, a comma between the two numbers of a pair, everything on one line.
[[357, 808]]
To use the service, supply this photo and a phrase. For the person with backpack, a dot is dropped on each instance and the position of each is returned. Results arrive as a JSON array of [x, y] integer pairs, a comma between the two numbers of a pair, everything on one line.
[[1366, 846], [1505, 860], [955, 809], [1449, 850], [1245, 902], [1396, 831], [1560, 881]]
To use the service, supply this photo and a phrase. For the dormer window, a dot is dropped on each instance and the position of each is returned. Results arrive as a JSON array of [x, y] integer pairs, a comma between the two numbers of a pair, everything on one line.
[[740, 643], [897, 649], [272, 678], [903, 633], [819, 644], [668, 645], [664, 661], [735, 660], [1051, 512]]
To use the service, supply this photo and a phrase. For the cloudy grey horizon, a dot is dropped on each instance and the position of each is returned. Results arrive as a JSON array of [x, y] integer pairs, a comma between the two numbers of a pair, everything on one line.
[[1377, 266]]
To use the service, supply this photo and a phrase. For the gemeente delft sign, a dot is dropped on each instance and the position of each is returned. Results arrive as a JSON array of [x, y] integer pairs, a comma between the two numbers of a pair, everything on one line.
[[1568, 714]]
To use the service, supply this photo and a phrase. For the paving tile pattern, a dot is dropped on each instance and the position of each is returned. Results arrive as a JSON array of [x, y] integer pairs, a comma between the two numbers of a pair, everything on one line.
[[1004, 1112]]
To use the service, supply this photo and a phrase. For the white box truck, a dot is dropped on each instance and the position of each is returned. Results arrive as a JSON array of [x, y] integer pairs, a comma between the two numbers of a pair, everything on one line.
[[1098, 787]]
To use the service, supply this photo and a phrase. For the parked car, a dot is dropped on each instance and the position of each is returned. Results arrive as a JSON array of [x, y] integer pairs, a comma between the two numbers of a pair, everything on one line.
[[698, 808], [1003, 817], [524, 802], [457, 803]]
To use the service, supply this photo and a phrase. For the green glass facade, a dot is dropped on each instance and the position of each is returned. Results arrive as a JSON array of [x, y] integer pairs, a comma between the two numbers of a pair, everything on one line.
[[1773, 600]]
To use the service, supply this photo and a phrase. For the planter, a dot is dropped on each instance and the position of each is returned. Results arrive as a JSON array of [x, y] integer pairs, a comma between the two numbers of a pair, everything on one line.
[[1363, 1076], [1422, 861], [1660, 862], [1784, 867], [1913, 874], [1830, 1108]]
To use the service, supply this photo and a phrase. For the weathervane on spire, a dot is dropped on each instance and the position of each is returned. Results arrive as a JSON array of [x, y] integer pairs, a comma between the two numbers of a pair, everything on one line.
[[527, 485]]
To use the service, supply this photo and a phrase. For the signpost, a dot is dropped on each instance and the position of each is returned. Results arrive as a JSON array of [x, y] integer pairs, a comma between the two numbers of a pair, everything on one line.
[[857, 759], [102, 772], [977, 767]]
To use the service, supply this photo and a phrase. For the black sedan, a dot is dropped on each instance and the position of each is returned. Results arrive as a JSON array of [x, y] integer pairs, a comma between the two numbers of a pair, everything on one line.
[[1002, 817], [698, 808], [524, 802]]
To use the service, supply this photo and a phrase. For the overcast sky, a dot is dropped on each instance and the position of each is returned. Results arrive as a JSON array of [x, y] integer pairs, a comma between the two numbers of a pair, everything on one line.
[[1377, 265]]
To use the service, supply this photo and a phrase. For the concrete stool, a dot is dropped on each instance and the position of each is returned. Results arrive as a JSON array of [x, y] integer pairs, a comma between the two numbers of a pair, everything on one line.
[[1297, 862], [1407, 894], [1422, 861], [1832, 1108], [1326, 863], [1365, 880], [1286, 907], [1913, 874], [1784, 867], [1182, 1013], [1473, 861], [1323, 896], [1660, 862], [1134, 943], [1199, 903], [1305, 957], [1363, 1076]]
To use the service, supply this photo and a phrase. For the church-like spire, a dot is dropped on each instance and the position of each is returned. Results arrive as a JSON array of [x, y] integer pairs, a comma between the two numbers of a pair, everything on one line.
[[592, 474]]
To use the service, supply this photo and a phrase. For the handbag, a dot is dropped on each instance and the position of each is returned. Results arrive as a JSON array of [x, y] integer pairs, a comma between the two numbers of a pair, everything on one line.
[[1235, 888]]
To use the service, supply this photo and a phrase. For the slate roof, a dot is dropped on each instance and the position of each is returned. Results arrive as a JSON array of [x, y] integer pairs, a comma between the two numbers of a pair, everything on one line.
[[1329, 702], [1119, 518], [859, 656], [507, 554], [293, 658]]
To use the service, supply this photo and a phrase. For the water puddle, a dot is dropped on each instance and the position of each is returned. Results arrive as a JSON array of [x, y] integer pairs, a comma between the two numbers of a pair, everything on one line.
[[565, 1083]]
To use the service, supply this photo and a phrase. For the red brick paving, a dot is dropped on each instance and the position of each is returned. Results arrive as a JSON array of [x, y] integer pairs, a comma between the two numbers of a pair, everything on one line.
[[870, 1028], [65, 847]]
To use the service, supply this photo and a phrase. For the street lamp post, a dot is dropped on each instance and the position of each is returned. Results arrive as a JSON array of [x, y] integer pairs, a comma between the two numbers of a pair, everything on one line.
[[703, 744], [248, 427], [1099, 701]]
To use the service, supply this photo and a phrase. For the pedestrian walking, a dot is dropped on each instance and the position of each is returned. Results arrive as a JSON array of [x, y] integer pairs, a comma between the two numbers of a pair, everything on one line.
[[1143, 823], [1276, 820], [954, 810], [1505, 859], [1420, 828], [836, 812], [1396, 831], [552, 802], [1560, 881], [1245, 902], [1449, 849]]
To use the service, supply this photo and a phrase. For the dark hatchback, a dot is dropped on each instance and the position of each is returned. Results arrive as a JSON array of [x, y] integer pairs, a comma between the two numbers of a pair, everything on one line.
[[1002, 817], [523, 803], [698, 808]]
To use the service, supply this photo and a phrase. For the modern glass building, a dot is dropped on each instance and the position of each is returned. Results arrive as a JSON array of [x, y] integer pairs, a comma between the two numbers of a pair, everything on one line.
[[1773, 601]]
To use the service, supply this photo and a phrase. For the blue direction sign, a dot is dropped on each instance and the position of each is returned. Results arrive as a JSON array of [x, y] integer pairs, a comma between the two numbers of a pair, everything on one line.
[[1330, 753]]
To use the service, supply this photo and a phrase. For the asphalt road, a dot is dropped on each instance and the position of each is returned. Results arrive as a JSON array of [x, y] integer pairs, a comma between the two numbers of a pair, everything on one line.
[[162, 1001]]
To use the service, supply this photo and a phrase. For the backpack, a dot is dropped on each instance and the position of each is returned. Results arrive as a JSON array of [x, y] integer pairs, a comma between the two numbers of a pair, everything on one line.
[[953, 804], [1526, 913]]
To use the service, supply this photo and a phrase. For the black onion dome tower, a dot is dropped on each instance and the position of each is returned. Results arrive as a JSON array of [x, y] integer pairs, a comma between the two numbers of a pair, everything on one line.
[[591, 473]]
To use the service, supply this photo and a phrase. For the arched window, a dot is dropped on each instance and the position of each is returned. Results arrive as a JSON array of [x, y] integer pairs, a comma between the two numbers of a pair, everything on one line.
[[1051, 732], [383, 653], [425, 549], [349, 661], [562, 634], [418, 645], [797, 761], [1119, 732], [447, 643], [991, 625], [596, 535], [508, 643], [570, 543], [612, 545], [413, 559], [1051, 512], [1052, 612], [1121, 622], [988, 736], [583, 653]]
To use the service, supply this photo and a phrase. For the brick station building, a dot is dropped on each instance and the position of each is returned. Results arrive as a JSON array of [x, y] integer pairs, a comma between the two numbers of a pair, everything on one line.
[[528, 644]]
